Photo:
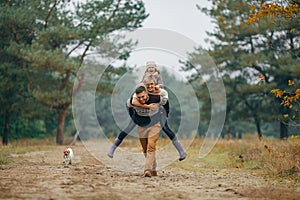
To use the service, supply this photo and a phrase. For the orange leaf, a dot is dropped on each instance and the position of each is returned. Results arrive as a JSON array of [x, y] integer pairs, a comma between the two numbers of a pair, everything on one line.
[[252, 7]]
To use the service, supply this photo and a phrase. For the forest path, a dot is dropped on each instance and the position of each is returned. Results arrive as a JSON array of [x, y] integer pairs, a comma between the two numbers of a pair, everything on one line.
[[41, 175]]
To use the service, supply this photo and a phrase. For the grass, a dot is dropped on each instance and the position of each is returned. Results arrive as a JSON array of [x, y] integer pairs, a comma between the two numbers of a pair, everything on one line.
[[280, 158], [272, 158], [21, 147]]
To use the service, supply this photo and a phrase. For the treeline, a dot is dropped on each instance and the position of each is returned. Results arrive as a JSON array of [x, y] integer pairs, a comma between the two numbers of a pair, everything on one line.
[[43, 45], [254, 59]]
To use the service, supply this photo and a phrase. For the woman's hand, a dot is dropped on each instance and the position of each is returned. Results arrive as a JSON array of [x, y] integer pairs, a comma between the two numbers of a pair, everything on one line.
[[152, 106]]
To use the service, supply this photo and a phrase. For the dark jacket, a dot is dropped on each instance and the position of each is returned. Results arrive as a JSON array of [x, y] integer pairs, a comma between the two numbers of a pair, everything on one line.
[[147, 121]]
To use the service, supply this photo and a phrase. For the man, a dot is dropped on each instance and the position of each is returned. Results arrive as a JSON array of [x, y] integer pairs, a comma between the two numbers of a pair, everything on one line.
[[148, 121], [149, 82]]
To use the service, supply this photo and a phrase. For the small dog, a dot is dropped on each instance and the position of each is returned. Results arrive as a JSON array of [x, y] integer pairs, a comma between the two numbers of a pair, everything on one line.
[[68, 156]]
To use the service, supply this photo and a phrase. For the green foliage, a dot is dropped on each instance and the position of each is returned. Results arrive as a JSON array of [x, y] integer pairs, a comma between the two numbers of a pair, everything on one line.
[[45, 42], [183, 113], [245, 53], [119, 84]]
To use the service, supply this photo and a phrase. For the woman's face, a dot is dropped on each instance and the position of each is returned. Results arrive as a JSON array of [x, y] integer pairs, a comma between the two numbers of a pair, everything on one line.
[[150, 86]]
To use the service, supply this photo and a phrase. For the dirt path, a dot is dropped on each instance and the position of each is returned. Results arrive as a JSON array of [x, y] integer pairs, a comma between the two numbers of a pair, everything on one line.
[[41, 175]]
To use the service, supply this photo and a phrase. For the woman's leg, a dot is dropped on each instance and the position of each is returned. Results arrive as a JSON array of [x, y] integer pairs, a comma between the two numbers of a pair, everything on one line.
[[173, 138], [120, 138]]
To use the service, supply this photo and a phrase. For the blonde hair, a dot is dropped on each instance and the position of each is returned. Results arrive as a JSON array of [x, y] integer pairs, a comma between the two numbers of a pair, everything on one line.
[[148, 79]]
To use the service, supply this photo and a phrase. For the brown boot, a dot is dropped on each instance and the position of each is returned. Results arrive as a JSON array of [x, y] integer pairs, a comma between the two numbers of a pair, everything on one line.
[[147, 174], [154, 173]]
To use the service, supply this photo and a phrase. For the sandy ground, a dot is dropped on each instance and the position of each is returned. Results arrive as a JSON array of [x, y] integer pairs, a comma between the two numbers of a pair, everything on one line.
[[42, 175]]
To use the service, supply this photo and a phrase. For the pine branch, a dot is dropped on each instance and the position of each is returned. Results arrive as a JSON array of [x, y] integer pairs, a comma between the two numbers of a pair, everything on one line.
[[49, 14], [296, 2]]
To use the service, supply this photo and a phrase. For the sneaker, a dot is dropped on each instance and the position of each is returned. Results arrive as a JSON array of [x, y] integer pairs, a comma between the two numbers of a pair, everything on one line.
[[154, 173], [147, 174]]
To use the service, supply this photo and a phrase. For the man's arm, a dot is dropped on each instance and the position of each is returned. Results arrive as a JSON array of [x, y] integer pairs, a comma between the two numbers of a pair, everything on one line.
[[135, 102]]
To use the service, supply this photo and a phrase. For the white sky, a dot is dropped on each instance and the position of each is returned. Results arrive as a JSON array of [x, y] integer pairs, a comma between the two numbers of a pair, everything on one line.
[[181, 16]]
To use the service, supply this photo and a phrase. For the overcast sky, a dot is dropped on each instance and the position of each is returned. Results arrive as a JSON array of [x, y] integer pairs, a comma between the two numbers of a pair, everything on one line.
[[181, 16]]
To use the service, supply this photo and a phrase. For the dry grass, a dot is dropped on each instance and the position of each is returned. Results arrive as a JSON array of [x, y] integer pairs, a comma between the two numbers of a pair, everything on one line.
[[282, 158], [274, 157], [22, 146]]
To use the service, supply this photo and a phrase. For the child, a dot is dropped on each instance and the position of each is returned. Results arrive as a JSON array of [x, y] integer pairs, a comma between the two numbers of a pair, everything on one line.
[[150, 80], [152, 70]]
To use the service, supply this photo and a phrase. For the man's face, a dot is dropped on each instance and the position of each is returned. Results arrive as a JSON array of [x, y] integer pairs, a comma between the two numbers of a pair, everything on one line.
[[142, 97]]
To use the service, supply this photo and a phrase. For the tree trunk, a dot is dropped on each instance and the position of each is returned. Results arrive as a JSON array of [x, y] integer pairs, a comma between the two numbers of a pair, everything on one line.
[[61, 125], [283, 130], [75, 138], [257, 123], [6, 128], [284, 123]]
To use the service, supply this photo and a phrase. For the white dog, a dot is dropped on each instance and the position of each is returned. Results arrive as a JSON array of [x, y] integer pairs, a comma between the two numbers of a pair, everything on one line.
[[68, 156]]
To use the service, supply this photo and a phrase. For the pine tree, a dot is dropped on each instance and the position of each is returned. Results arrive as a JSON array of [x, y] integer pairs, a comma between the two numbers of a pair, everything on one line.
[[284, 56], [243, 53], [53, 38]]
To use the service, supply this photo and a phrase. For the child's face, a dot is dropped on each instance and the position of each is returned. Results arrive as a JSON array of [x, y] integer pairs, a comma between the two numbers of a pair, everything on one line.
[[151, 69]]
